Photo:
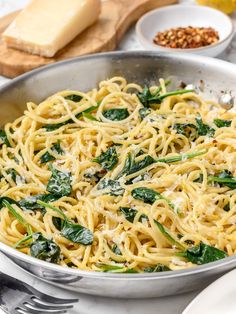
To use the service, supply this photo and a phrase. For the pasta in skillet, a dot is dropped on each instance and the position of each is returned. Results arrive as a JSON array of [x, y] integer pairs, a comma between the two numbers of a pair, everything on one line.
[[121, 179]]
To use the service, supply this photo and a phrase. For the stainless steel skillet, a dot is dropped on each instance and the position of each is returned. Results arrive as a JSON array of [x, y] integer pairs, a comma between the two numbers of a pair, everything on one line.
[[212, 75]]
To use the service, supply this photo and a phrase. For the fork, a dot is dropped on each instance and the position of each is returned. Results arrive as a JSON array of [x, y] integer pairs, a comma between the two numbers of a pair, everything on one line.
[[17, 297]]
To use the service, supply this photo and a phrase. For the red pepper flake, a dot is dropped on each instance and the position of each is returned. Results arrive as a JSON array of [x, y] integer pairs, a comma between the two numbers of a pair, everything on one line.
[[187, 37]]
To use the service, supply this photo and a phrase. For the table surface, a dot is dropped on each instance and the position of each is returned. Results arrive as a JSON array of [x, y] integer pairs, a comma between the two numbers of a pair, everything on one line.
[[97, 305]]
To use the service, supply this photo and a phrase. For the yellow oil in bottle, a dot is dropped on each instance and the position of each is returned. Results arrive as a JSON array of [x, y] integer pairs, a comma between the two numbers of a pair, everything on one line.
[[227, 6]]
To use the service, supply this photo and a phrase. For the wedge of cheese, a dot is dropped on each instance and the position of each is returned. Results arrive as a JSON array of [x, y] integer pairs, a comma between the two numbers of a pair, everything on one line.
[[46, 26]]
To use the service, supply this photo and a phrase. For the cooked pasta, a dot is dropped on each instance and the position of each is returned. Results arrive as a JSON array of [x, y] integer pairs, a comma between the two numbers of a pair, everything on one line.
[[121, 178]]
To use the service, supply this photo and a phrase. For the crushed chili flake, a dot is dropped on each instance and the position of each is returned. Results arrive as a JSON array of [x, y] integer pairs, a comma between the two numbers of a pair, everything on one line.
[[187, 37]]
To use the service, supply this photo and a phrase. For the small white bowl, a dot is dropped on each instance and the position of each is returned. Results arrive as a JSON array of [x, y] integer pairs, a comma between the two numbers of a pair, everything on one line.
[[173, 16]]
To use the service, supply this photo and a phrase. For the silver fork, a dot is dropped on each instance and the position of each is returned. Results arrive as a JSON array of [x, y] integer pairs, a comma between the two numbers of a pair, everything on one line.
[[17, 297]]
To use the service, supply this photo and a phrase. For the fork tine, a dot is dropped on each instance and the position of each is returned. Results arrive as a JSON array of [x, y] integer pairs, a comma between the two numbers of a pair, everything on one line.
[[45, 305], [50, 299], [31, 310]]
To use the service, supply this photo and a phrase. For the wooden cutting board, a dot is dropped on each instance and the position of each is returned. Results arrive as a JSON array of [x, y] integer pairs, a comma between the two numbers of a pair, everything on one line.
[[116, 17]]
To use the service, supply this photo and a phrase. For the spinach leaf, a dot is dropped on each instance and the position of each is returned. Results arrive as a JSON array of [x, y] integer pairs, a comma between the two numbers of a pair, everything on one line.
[[89, 116], [114, 268], [116, 249], [222, 123], [8, 199], [181, 157], [70, 230], [225, 178], [148, 99], [144, 112], [58, 223], [13, 173], [17, 215], [131, 166], [129, 213], [203, 253], [31, 202], [146, 195], [116, 114], [108, 159], [112, 187], [127, 166], [48, 157], [44, 249], [60, 183], [40, 247], [4, 139], [96, 177], [186, 129], [204, 129], [167, 235], [199, 179], [156, 269], [53, 127], [139, 165], [149, 196], [76, 233], [189, 242], [74, 97]]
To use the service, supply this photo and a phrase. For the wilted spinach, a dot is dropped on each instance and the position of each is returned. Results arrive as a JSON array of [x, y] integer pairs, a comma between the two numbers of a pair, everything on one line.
[[156, 269], [89, 116], [199, 179], [167, 235], [139, 165], [13, 173], [225, 178], [4, 139], [8, 199], [187, 129], [108, 159], [60, 183], [204, 129], [111, 187], [114, 268], [116, 249], [30, 203], [203, 253], [48, 157], [131, 166], [74, 97], [53, 127], [222, 123], [70, 230], [130, 214], [116, 114], [144, 112], [7, 204], [44, 249], [148, 99], [149, 196]]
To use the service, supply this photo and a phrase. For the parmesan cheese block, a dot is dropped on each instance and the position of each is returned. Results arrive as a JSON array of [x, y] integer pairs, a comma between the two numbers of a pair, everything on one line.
[[45, 26]]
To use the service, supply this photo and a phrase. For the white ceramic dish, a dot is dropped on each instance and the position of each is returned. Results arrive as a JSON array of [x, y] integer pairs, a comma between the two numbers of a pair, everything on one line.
[[182, 16], [218, 298]]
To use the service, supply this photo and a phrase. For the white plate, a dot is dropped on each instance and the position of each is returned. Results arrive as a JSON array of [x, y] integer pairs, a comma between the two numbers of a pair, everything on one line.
[[185, 15], [218, 298]]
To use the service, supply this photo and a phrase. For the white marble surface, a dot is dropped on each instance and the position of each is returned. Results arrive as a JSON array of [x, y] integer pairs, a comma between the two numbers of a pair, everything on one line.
[[98, 305]]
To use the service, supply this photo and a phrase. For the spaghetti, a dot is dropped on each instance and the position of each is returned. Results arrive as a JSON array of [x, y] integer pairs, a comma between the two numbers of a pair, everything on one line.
[[121, 179]]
